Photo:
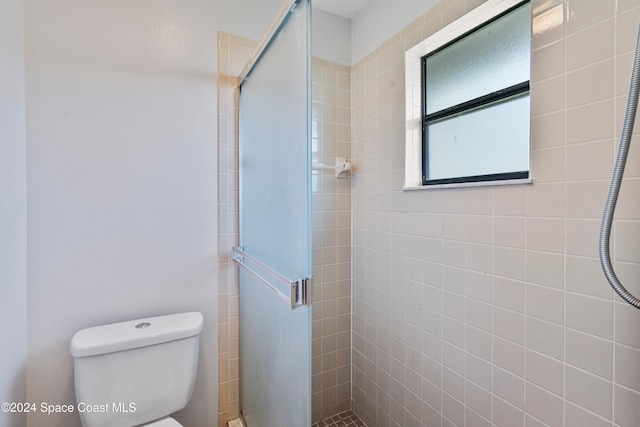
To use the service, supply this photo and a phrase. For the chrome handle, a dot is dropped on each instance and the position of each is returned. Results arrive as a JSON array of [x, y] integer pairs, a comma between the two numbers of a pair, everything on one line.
[[300, 290]]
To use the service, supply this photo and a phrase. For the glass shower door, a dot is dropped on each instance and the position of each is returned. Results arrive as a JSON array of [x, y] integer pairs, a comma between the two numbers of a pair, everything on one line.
[[275, 229]]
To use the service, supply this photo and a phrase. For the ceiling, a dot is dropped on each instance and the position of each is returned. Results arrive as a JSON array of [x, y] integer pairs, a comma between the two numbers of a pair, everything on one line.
[[345, 8]]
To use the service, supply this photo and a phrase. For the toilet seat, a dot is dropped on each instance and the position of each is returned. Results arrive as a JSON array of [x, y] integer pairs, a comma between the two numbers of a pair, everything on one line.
[[163, 422]]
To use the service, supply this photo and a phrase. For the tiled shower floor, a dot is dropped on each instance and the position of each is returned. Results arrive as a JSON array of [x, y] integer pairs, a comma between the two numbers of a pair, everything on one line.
[[343, 419]]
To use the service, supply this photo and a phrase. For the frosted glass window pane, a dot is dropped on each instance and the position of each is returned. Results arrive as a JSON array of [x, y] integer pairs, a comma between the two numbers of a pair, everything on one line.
[[495, 57], [491, 140]]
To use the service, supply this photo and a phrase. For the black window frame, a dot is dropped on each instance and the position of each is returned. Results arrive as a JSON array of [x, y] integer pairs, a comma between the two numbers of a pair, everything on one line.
[[466, 107]]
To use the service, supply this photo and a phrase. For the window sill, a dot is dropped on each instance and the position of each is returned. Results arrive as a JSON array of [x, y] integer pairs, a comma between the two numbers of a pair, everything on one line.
[[469, 184]]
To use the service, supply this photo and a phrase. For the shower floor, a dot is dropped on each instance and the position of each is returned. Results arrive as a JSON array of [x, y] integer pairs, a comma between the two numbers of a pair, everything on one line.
[[343, 419]]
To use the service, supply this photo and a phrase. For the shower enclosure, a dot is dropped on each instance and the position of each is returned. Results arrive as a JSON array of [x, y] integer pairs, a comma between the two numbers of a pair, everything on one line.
[[274, 251]]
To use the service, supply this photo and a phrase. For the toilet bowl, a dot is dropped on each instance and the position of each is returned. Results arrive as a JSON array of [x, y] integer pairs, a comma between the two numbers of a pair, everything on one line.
[[136, 372]]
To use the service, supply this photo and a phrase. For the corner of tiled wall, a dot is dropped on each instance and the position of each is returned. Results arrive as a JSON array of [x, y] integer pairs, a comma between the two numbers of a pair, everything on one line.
[[331, 138], [233, 53]]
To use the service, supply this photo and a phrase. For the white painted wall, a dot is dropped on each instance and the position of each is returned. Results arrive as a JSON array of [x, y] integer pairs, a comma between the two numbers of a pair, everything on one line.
[[331, 37], [380, 20], [121, 180], [245, 18], [121, 107], [13, 252], [121, 146]]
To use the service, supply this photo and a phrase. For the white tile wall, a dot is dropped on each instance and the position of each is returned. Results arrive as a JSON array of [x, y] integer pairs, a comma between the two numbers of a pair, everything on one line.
[[479, 306], [331, 115], [497, 292], [233, 52]]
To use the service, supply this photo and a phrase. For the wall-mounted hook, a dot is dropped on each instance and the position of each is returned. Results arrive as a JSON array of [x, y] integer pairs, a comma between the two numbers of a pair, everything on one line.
[[342, 167]]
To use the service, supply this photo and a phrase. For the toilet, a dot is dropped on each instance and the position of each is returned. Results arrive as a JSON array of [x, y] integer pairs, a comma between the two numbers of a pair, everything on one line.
[[136, 373]]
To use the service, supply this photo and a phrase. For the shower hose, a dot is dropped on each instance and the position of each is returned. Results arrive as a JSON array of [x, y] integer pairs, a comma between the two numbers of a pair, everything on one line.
[[616, 180]]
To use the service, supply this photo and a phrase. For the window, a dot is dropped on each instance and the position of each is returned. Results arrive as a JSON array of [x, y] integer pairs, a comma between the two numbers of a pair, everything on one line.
[[472, 98]]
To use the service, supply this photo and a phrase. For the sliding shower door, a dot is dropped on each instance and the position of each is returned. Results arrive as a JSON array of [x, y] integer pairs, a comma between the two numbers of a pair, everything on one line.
[[275, 229]]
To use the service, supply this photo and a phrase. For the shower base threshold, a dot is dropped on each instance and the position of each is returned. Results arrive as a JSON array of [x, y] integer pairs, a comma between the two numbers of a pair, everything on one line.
[[343, 419]]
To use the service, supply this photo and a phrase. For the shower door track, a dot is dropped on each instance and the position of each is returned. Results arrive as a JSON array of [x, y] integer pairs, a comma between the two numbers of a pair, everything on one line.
[[279, 21]]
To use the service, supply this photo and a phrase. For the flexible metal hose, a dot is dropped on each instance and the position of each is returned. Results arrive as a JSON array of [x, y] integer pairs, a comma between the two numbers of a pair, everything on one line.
[[616, 181]]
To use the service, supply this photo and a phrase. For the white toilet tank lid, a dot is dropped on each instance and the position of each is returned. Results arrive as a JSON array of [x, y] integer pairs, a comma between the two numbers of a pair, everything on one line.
[[135, 333]]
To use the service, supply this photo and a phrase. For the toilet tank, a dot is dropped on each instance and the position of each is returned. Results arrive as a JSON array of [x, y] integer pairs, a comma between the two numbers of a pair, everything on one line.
[[135, 372]]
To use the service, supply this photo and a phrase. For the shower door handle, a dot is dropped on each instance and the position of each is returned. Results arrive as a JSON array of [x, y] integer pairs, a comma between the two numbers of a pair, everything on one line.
[[299, 290]]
